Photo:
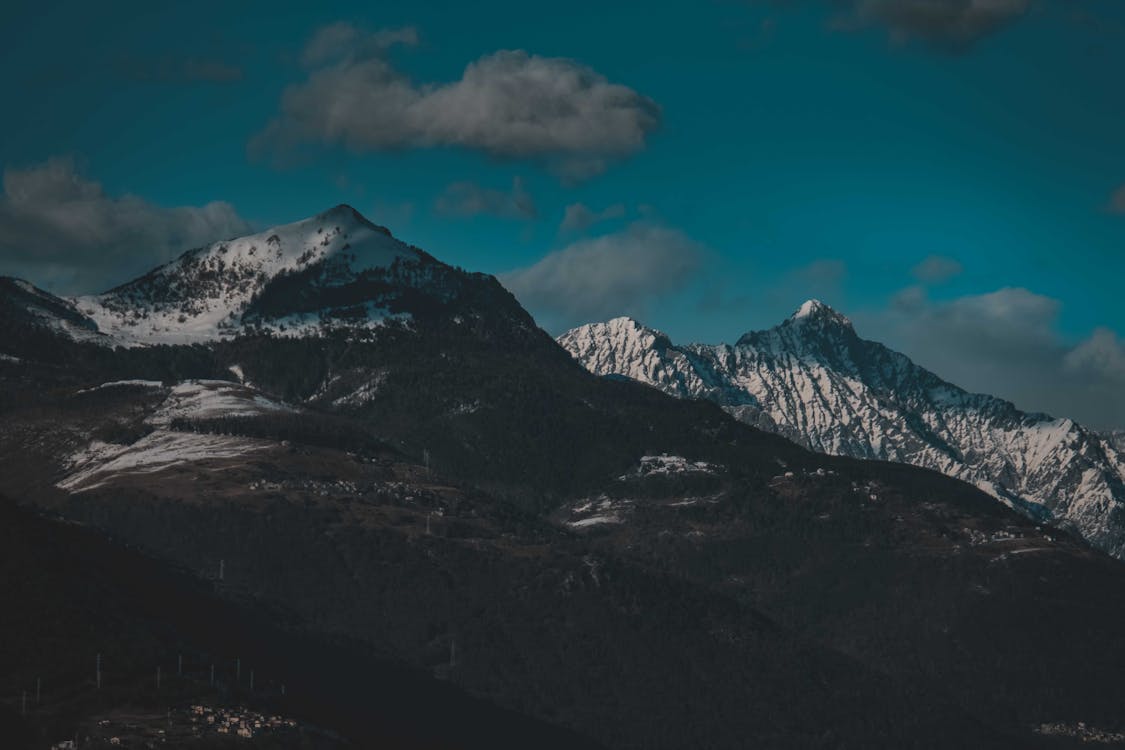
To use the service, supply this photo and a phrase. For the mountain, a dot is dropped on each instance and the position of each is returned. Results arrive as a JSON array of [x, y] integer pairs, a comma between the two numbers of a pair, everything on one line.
[[815, 381], [333, 271], [383, 453]]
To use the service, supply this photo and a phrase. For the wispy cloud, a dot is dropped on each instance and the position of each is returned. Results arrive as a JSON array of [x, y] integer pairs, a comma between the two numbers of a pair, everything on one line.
[[937, 269], [578, 217], [1117, 201], [470, 199], [622, 273], [170, 69], [950, 26]]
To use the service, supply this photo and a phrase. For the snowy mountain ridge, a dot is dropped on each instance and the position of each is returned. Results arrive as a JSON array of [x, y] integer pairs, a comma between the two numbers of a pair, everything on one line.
[[211, 293], [814, 380]]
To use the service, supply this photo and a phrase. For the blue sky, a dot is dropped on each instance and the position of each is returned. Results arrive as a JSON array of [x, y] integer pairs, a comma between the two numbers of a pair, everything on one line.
[[776, 151]]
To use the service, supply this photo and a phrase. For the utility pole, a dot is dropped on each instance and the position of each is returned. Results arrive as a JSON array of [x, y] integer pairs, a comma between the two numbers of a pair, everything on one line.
[[98, 671]]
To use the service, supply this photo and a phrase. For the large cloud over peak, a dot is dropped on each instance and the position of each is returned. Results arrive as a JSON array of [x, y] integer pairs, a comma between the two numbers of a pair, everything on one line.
[[1102, 355], [1006, 343], [61, 230], [621, 273], [508, 104]]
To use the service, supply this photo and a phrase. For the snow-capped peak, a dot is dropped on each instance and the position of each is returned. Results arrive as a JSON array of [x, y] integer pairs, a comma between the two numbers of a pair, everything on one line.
[[814, 310], [623, 346], [815, 381], [339, 231], [205, 293], [625, 334], [625, 324]]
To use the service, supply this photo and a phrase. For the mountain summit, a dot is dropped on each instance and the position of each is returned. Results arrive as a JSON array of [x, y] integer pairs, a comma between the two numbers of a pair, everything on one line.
[[814, 380], [815, 312], [335, 271], [816, 320], [216, 291]]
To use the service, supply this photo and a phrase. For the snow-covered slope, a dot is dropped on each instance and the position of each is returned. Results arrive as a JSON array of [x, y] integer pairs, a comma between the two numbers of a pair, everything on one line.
[[164, 448], [22, 303], [217, 291], [813, 379], [334, 272]]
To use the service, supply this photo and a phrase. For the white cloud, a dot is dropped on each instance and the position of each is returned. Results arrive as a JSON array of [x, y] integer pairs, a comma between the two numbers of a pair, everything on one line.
[[62, 231], [342, 41], [579, 217], [1007, 343], [508, 104], [1101, 356], [614, 274]]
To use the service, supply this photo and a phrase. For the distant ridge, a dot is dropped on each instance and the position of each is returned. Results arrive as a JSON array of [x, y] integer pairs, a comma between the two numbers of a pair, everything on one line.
[[814, 380]]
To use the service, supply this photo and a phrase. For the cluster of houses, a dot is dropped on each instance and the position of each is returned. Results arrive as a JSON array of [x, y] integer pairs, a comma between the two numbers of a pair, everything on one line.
[[239, 722], [1082, 732], [177, 726]]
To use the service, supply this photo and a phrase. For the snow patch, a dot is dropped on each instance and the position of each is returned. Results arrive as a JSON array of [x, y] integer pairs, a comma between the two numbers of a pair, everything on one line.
[[596, 511], [595, 520], [124, 384], [100, 462], [365, 394], [212, 399]]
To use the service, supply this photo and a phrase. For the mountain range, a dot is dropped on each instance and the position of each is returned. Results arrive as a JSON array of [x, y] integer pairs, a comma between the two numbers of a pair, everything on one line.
[[814, 380], [380, 457]]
